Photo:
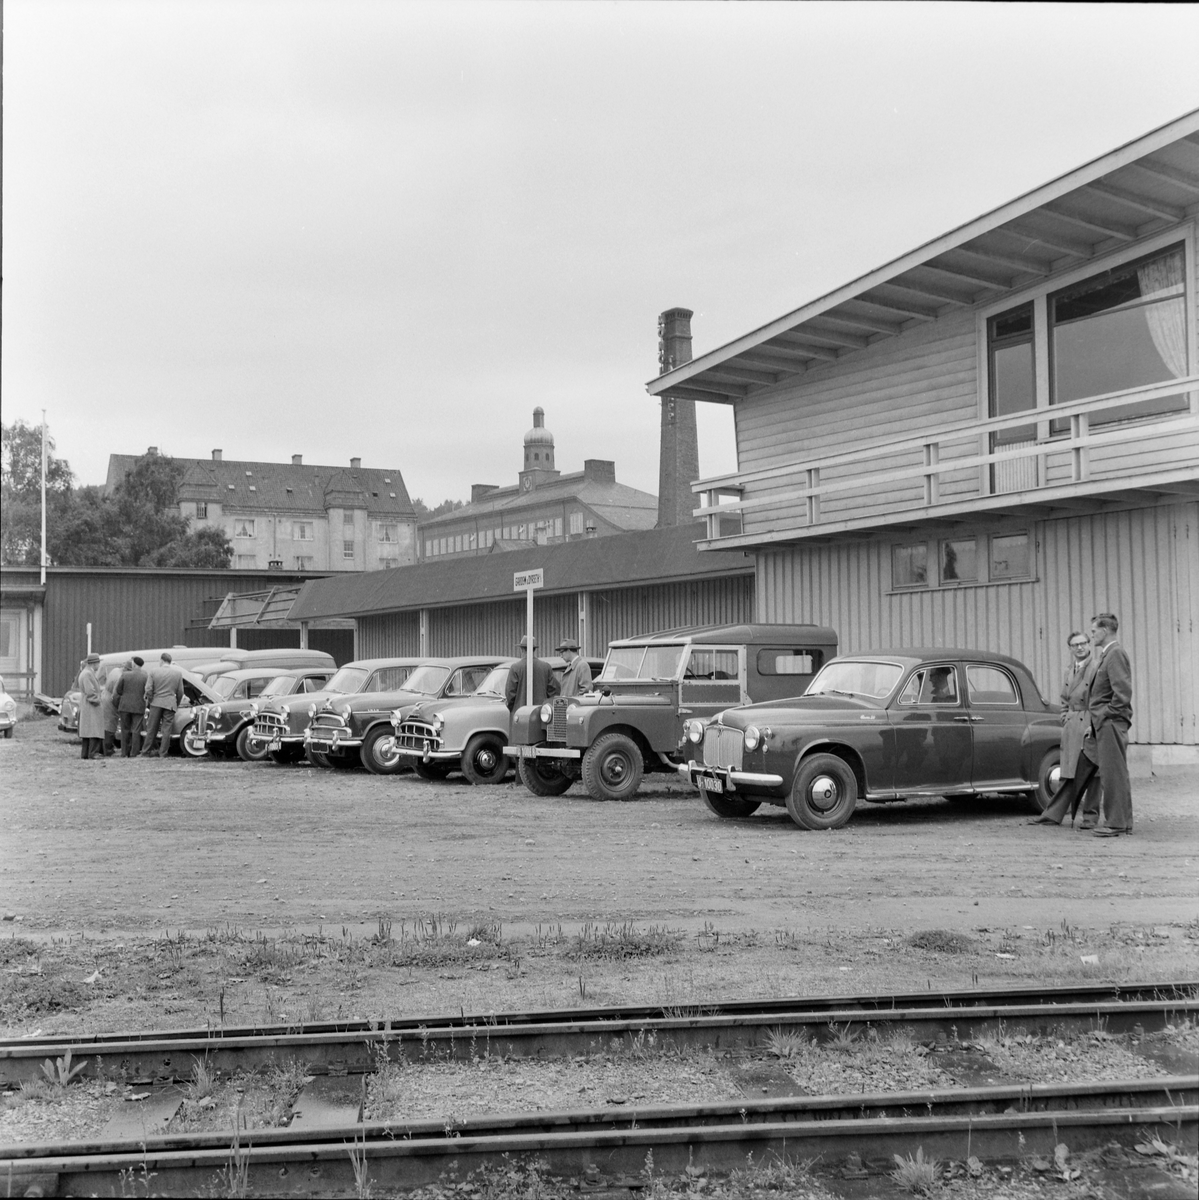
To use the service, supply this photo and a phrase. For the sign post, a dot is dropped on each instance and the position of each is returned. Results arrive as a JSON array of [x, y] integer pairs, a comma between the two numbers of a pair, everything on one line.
[[528, 582]]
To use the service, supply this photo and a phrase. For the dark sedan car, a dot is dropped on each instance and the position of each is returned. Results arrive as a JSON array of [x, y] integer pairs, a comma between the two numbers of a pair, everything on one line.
[[891, 725]]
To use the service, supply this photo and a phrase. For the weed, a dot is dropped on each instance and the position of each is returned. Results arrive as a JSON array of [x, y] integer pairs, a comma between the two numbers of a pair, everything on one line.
[[203, 1080], [786, 1043], [917, 1174], [384, 934], [60, 1072], [37, 1089], [624, 941], [842, 1038], [135, 1181], [362, 1179], [235, 1175]]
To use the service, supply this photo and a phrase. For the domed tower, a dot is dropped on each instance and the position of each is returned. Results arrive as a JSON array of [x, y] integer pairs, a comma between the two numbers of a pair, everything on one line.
[[539, 454]]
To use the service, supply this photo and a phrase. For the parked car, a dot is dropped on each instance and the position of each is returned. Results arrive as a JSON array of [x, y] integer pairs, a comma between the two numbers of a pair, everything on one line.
[[467, 733], [279, 659], [633, 722], [186, 657], [357, 730], [196, 694], [883, 726], [227, 727], [282, 721], [8, 712]]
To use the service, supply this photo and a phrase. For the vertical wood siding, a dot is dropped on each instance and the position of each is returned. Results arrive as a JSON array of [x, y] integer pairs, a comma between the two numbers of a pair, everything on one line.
[[496, 627], [1142, 565]]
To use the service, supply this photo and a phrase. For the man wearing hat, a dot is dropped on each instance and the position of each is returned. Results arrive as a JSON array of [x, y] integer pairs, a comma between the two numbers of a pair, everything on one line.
[[576, 679], [91, 719], [164, 693], [131, 704], [545, 685]]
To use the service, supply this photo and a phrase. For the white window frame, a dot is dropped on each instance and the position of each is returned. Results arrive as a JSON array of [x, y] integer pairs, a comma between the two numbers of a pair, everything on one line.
[[301, 531], [389, 533], [250, 525], [1039, 294]]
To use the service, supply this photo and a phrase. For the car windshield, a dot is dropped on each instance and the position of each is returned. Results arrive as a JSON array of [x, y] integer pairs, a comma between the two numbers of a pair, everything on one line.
[[223, 685], [348, 680], [853, 678], [494, 682], [643, 662], [281, 685], [426, 681]]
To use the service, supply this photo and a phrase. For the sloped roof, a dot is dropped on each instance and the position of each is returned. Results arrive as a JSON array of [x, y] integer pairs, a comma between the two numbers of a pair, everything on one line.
[[282, 487], [627, 504], [652, 556], [1130, 193]]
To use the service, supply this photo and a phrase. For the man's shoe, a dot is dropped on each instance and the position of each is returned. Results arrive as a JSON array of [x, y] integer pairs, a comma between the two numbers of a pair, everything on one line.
[[1108, 832], [1041, 820], [1087, 828]]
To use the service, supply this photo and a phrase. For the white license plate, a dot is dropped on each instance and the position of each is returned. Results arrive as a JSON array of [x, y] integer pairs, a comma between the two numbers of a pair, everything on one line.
[[274, 746], [708, 783]]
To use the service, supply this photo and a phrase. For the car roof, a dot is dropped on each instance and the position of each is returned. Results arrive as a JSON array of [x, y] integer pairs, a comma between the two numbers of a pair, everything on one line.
[[922, 654], [708, 634], [371, 664], [466, 660], [259, 672]]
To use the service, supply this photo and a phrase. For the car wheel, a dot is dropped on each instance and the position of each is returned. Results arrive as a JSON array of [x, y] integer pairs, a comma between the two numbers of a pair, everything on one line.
[[825, 793], [316, 757], [1049, 780], [612, 767], [483, 760], [287, 756], [379, 752], [731, 807], [432, 771], [542, 776], [250, 748], [192, 746]]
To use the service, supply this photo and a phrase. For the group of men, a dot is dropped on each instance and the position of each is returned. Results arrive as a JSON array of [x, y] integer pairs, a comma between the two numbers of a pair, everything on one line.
[[1096, 704], [129, 697], [576, 678]]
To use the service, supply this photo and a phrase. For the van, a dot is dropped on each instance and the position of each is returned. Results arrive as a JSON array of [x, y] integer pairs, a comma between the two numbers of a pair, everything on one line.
[[283, 658]]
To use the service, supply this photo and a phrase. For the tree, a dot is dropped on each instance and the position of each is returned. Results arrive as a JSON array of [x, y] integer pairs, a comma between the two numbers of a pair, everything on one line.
[[207, 546], [21, 492], [423, 510]]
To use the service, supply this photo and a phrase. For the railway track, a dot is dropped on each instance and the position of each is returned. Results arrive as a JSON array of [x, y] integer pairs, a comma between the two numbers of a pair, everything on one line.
[[356, 1047], [994, 1123]]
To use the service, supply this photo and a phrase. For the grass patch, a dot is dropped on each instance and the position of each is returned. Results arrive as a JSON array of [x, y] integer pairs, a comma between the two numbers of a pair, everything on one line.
[[626, 941], [942, 941]]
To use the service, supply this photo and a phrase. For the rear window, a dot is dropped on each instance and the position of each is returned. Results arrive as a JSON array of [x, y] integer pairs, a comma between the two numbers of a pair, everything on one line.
[[781, 661]]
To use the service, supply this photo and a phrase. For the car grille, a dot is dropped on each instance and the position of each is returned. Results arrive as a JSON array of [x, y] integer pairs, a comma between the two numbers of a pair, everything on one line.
[[201, 722], [557, 729], [269, 725], [324, 726], [723, 747], [417, 735]]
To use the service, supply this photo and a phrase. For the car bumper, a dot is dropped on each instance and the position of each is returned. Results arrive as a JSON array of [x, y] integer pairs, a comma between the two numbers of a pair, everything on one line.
[[7, 722], [429, 755], [331, 745], [541, 752], [724, 779], [212, 737]]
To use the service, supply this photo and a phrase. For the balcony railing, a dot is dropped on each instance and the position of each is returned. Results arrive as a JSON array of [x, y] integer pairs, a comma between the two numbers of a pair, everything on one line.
[[954, 464]]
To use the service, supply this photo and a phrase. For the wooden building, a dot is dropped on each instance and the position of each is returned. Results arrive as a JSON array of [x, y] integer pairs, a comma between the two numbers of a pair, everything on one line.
[[595, 590], [990, 439]]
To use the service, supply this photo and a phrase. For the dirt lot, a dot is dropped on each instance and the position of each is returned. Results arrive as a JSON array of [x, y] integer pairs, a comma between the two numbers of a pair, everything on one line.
[[104, 864]]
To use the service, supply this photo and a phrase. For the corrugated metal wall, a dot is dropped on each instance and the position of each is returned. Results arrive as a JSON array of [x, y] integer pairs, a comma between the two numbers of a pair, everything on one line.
[[1142, 565], [133, 610], [496, 627]]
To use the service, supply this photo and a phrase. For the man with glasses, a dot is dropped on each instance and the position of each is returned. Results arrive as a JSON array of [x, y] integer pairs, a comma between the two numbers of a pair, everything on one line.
[[1073, 705]]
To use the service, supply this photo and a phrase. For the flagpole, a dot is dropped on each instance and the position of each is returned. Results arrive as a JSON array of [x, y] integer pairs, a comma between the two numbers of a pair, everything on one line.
[[43, 497]]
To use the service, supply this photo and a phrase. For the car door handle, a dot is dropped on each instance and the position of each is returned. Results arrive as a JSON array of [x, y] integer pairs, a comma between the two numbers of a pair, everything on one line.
[[967, 719]]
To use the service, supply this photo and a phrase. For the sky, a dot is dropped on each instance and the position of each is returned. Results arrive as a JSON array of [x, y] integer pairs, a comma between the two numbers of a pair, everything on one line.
[[389, 230]]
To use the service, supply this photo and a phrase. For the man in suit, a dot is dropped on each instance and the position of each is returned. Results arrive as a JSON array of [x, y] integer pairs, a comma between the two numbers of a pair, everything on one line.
[[1109, 715], [131, 706], [91, 721], [545, 685], [163, 694], [576, 679], [1076, 687]]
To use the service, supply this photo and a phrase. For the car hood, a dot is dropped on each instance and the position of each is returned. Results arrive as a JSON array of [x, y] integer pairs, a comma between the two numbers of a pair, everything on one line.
[[458, 705], [386, 701], [299, 700], [798, 710]]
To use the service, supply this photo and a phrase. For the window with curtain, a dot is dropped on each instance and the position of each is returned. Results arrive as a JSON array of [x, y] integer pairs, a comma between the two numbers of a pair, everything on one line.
[[1123, 328]]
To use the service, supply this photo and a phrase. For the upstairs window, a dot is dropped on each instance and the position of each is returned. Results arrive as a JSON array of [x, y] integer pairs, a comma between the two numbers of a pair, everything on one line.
[[347, 549], [389, 533], [301, 531], [1123, 328], [243, 527], [202, 510]]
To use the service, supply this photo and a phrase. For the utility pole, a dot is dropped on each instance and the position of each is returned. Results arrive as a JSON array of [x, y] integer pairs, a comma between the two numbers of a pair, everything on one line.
[[43, 497]]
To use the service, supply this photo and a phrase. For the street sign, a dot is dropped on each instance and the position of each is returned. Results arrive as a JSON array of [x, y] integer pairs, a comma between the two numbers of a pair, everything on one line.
[[524, 580]]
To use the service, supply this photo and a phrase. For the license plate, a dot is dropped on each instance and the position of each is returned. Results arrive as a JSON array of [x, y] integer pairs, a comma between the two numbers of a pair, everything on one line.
[[708, 783], [274, 746]]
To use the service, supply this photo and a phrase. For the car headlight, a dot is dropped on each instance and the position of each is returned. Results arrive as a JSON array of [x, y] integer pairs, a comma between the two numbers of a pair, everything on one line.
[[284, 711], [312, 710], [693, 730], [438, 723], [214, 712], [753, 737], [345, 711], [253, 710], [546, 714]]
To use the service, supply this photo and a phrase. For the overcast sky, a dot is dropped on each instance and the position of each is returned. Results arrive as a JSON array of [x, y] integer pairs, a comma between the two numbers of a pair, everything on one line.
[[390, 230]]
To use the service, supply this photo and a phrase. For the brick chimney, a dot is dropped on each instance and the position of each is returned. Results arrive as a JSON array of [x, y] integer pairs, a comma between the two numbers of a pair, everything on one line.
[[355, 464], [678, 462], [297, 460], [602, 470], [217, 455]]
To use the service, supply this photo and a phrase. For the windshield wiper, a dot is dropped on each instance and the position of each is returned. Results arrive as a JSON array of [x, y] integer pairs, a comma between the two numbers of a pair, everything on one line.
[[839, 692]]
